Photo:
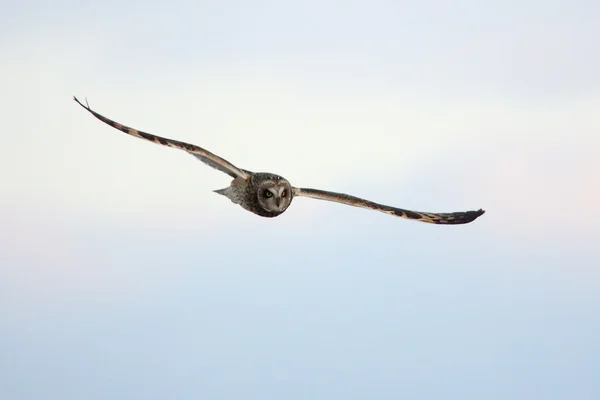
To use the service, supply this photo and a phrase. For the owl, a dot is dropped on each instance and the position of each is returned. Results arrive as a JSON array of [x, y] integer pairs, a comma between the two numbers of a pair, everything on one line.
[[269, 195]]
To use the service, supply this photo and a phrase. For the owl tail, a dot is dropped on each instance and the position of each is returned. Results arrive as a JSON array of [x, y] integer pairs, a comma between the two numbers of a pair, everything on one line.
[[228, 192]]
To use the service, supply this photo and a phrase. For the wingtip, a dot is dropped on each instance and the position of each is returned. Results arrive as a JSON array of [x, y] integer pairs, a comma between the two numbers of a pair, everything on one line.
[[86, 106], [477, 214]]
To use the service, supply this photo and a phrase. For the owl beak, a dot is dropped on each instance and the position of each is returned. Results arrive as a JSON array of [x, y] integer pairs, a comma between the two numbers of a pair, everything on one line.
[[278, 201]]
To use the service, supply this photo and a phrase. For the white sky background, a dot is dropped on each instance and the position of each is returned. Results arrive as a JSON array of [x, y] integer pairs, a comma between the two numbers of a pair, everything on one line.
[[122, 275]]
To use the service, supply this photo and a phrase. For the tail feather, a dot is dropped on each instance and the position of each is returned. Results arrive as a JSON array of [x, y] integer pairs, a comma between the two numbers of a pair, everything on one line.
[[222, 191]]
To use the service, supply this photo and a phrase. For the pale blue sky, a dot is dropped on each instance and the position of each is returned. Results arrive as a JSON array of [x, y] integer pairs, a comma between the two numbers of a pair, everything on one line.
[[122, 276]]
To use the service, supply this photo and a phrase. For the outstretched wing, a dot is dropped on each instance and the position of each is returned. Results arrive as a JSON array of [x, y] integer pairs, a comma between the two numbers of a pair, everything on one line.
[[203, 155], [454, 218]]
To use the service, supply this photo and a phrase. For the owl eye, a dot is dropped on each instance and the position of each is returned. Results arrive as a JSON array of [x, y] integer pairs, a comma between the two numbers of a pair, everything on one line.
[[284, 193], [268, 193]]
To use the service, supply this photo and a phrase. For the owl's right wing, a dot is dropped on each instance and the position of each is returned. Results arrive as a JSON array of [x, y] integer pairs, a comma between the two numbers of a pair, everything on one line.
[[455, 218], [203, 155]]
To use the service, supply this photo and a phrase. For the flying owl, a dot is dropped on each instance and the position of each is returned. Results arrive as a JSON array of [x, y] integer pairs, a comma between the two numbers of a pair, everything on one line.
[[269, 195]]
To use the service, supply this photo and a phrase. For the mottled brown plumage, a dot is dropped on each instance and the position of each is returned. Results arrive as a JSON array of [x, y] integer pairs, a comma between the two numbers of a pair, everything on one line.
[[269, 195]]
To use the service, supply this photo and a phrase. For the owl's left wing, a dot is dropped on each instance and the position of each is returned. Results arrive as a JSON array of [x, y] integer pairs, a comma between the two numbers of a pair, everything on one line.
[[455, 218], [203, 155]]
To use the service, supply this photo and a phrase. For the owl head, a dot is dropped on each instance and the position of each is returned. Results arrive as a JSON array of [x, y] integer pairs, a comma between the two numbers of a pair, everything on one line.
[[274, 194]]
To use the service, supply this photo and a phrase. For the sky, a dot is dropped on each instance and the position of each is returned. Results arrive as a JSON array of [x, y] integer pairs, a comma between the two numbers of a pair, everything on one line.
[[123, 276]]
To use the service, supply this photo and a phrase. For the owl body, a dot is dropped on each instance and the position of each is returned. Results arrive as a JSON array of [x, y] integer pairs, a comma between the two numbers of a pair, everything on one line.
[[269, 195], [263, 193]]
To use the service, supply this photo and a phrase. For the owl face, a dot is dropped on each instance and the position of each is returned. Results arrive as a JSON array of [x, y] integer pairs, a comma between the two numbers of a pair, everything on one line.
[[275, 195]]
